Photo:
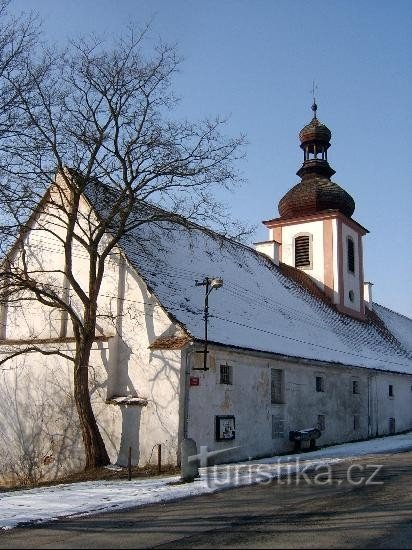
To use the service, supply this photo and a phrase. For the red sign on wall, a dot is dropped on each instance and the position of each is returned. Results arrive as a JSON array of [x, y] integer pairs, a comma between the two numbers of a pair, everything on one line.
[[194, 380]]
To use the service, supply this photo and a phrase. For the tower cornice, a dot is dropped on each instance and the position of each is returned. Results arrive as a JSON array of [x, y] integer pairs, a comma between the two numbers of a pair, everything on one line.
[[331, 214]]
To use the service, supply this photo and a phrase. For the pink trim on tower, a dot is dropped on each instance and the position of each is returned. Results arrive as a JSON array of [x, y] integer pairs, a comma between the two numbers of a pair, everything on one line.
[[361, 277], [277, 236], [328, 259], [340, 262], [315, 217]]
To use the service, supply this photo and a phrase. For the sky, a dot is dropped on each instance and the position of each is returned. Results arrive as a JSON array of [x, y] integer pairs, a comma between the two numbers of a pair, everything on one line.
[[254, 61]]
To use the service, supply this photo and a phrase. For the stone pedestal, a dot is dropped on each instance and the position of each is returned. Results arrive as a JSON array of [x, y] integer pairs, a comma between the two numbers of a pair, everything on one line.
[[189, 468]]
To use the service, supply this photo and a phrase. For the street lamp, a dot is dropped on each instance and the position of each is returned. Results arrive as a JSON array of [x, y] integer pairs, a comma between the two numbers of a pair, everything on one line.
[[209, 283]]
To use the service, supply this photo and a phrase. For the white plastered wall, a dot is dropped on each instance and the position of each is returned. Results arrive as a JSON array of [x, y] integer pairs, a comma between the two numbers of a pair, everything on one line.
[[335, 261], [351, 281], [248, 399], [270, 249], [123, 365], [136, 370], [314, 228]]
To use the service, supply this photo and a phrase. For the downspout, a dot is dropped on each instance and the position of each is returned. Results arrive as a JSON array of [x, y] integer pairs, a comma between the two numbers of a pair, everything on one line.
[[188, 356], [4, 306], [184, 395], [114, 383], [369, 407], [376, 406]]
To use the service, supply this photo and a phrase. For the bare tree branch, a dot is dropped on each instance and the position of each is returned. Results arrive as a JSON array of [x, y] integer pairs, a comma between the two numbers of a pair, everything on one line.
[[93, 140]]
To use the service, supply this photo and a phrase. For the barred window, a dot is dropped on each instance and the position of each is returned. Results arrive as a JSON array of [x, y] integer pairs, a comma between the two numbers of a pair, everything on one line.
[[320, 384], [351, 255], [355, 386], [303, 253], [276, 386], [278, 427], [226, 374], [356, 422]]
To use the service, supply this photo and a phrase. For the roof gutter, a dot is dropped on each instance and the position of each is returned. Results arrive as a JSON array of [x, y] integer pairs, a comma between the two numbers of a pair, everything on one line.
[[295, 359]]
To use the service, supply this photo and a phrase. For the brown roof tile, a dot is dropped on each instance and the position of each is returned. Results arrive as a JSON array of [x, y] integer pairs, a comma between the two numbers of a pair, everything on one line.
[[170, 342]]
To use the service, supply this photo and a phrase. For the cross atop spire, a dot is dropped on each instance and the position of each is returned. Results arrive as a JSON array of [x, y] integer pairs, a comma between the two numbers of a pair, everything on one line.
[[314, 106]]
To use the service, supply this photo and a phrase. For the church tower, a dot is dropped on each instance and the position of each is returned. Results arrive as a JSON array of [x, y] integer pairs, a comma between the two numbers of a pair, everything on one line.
[[315, 231]]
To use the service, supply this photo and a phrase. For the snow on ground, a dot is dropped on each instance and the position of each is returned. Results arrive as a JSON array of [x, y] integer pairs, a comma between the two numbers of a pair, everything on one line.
[[49, 503]]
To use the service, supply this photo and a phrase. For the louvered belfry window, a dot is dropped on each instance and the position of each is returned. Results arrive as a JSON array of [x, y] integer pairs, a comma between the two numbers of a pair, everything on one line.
[[302, 251]]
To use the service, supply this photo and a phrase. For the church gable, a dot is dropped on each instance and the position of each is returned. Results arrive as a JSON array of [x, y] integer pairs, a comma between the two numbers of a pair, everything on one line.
[[124, 296]]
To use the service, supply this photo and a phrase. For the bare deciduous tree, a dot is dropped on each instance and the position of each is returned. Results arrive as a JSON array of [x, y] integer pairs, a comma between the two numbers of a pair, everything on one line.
[[18, 35], [101, 118]]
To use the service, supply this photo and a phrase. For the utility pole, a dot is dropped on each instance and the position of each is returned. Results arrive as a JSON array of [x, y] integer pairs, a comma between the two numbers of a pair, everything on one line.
[[209, 284]]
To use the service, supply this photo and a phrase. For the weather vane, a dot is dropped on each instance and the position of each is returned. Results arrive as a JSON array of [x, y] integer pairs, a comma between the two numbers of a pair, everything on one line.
[[314, 106]]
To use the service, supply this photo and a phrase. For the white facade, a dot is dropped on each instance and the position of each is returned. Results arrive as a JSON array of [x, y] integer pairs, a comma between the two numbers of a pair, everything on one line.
[[329, 264], [264, 329], [314, 230], [135, 391], [270, 249], [355, 403], [352, 282]]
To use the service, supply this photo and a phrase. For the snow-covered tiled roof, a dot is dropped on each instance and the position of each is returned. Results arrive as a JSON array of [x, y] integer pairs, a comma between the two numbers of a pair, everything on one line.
[[399, 325], [259, 307]]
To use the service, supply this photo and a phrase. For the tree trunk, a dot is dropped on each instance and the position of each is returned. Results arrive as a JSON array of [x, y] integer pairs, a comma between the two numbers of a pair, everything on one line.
[[95, 450]]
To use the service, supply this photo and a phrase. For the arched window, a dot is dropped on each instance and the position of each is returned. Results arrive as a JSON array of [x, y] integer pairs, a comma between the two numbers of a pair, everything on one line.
[[351, 255], [303, 251]]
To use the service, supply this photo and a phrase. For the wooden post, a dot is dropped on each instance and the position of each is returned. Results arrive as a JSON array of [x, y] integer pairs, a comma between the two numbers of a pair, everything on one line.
[[159, 458], [129, 465]]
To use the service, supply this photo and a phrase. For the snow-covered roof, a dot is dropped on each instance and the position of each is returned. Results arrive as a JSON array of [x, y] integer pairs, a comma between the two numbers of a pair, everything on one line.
[[259, 306]]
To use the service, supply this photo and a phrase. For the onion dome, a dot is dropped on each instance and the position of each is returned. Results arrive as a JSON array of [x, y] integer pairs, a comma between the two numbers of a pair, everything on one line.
[[316, 192], [315, 131]]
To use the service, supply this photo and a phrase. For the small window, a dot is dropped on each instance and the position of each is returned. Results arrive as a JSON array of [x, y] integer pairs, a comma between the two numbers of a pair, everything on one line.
[[278, 427], [392, 426], [390, 390], [303, 256], [355, 387], [320, 384], [321, 422], [356, 422], [276, 386], [351, 255], [226, 374], [351, 296]]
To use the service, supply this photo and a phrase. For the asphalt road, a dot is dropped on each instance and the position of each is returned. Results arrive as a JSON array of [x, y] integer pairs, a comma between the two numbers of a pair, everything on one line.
[[324, 510]]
